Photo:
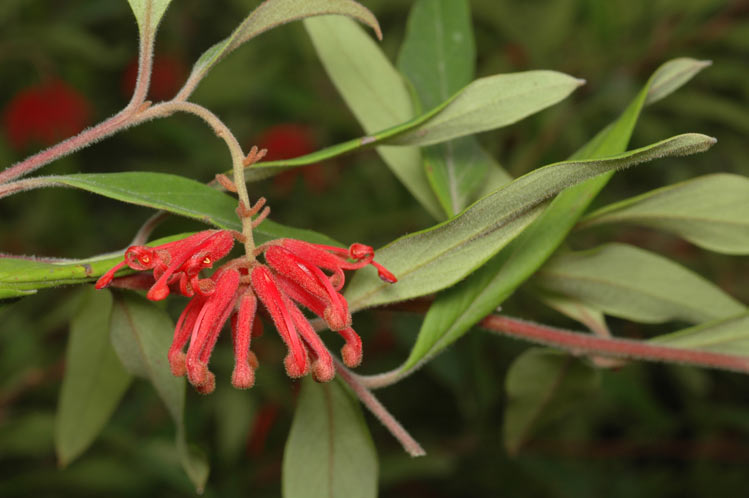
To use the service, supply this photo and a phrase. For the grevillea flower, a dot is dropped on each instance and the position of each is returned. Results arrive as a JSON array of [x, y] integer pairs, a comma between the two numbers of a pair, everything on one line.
[[45, 114], [295, 273], [178, 262]]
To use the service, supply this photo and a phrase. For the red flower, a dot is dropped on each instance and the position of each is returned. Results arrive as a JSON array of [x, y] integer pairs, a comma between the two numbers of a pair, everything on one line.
[[176, 262], [167, 76], [287, 141], [45, 114], [294, 274]]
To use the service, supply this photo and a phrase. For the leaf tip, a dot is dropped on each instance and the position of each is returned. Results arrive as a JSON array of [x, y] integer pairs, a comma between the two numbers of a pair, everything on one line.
[[581, 81]]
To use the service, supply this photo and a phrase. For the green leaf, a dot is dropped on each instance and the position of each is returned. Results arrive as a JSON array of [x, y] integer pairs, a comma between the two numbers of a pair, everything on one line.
[[435, 258], [438, 52], [543, 385], [591, 317], [711, 211], [181, 196], [673, 75], [457, 309], [375, 93], [456, 169], [329, 451], [632, 283], [728, 335], [612, 140], [271, 14], [141, 335], [148, 13], [94, 380], [172, 193], [437, 57], [490, 103]]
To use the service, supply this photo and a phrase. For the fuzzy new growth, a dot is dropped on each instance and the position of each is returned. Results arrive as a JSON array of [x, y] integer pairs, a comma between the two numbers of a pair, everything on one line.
[[295, 274]]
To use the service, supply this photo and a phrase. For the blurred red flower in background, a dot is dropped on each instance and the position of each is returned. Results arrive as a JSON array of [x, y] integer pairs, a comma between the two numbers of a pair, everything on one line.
[[167, 77], [287, 141], [45, 114]]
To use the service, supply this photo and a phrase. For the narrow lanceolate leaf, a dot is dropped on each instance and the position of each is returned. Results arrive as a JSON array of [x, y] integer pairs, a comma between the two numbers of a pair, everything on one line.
[[271, 14], [457, 309], [632, 283], [711, 211], [672, 75], [490, 103], [435, 258], [94, 380], [178, 195], [728, 335], [172, 193], [438, 53], [437, 57], [375, 93], [329, 451], [456, 169], [542, 386], [148, 13], [141, 334]]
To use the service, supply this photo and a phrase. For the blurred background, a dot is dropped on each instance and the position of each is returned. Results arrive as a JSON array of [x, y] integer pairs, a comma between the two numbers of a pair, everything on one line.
[[646, 430]]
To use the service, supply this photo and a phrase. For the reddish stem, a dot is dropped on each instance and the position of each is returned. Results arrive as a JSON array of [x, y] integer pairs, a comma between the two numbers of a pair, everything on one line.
[[409, 444], [585, 344], [86, 137]]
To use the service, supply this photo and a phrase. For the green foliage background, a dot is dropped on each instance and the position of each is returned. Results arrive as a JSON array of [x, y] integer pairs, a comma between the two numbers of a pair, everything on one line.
[[641, 430]]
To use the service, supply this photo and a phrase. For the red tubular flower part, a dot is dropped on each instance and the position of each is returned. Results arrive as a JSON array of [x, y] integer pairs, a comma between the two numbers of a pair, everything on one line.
[[245, 363], [106, 279], [313, 281], [334, 258], [323, 369], [213, 314], [178, 261], [351, 352], [300, 296], [195, 253], [182, 333], [277, 305]]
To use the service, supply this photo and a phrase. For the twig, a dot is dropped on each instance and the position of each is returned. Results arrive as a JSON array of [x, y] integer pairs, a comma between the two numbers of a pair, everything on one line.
[[409, 444], [582, 344]]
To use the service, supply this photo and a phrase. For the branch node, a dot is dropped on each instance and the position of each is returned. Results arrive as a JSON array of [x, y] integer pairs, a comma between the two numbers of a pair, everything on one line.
[[145, 105]]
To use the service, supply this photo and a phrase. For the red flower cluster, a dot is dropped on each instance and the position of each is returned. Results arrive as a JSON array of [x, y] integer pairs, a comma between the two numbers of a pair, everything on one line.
[[45, 114], [295, 273], [168, 74], [287, 141]]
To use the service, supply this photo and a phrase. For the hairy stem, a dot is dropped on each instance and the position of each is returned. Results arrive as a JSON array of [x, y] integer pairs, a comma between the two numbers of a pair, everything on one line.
[[121, 120], [583, 344], [237, 156], [605, 352], [369, 400]]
